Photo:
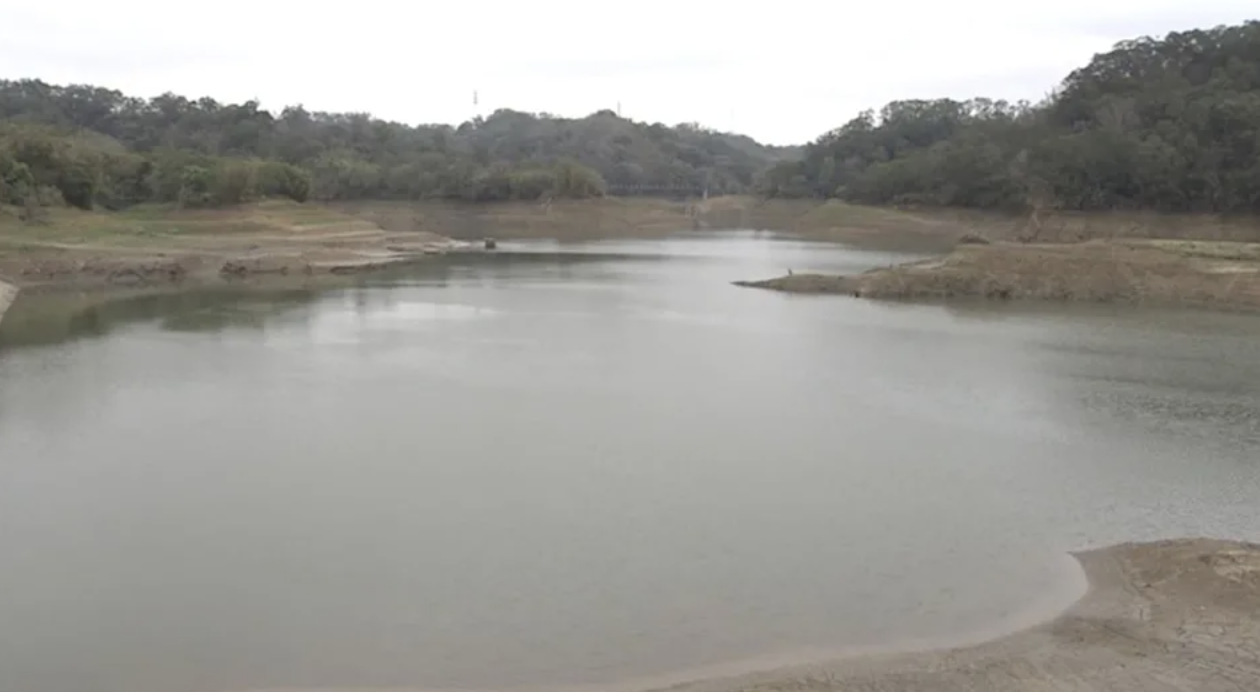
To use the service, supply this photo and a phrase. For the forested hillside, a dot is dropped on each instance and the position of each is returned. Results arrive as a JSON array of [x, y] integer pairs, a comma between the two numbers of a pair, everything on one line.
[[1170, 125], [92, 146]]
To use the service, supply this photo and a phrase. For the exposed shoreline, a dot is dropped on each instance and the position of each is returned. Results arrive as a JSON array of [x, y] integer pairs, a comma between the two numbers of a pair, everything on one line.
[[272, 242], [79, 266], [261, 244], [115, 276], [1149, 258], [1175, 615], [1221, 275]]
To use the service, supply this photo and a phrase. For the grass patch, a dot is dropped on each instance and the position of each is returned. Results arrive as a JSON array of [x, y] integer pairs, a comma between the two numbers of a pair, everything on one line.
[[837, 213], [157, 225]]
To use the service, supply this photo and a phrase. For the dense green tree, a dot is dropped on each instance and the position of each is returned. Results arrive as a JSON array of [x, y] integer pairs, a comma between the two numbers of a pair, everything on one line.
[[43, 165], [1171, 124], [98, 146]]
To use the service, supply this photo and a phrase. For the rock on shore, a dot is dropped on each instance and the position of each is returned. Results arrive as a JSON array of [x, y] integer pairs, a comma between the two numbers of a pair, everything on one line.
[[8, 293]]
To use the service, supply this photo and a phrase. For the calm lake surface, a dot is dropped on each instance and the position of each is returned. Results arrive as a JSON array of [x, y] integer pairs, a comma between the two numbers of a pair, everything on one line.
[[575, 465]]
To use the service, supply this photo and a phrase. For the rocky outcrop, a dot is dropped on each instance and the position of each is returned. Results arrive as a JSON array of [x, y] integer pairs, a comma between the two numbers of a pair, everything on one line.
[[254, 266], [8, 293]]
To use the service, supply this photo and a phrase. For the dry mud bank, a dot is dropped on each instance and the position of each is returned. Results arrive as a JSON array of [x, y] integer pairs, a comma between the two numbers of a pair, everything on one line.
[[1177, 616], [1158, 272], [656, 218], [155, 245], [831, 220], [73, 249], [162, 245]]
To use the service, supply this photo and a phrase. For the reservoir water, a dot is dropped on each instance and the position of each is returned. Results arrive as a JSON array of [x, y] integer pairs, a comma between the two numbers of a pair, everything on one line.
[[578, 465]]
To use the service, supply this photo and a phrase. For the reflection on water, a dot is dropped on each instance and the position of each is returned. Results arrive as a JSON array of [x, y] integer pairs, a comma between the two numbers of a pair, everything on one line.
[[45, 319], [40, 319], [578, 464]]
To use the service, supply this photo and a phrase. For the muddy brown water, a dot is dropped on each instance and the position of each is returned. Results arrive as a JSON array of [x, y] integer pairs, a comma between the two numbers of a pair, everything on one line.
[[579, 465]]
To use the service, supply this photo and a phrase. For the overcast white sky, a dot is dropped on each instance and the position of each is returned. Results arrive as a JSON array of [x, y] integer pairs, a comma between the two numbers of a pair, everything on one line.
[[781, 71]]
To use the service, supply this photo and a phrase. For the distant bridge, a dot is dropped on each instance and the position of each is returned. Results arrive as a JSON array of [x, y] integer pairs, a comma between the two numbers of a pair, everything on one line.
[[669, 190]]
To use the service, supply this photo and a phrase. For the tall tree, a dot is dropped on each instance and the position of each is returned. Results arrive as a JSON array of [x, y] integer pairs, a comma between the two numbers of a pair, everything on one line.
[[1168, 124]]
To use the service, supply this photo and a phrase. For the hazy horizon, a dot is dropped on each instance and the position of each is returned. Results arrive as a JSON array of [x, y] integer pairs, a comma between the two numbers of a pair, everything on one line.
[[782, 78]]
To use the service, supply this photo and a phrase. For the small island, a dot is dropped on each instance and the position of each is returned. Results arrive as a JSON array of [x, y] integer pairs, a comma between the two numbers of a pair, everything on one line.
[[1134, 181], [1152, 272]]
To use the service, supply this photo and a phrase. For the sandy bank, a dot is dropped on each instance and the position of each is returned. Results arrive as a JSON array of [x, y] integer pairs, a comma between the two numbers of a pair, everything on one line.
[[91, 268], [1173, 615], [155, 244], [1158, 272], [876, 228], [74, 249]]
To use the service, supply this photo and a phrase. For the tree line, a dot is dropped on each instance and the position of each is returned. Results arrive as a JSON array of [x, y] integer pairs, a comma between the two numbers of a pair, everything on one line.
[[1168, 124], [91, 146]]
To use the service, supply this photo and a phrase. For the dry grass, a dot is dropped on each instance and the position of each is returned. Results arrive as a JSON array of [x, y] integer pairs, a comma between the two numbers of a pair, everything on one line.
[[647, 217], [830, 220], [161, 244], [161, 225], [836, 221], [1073, 226], [569, 219]]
